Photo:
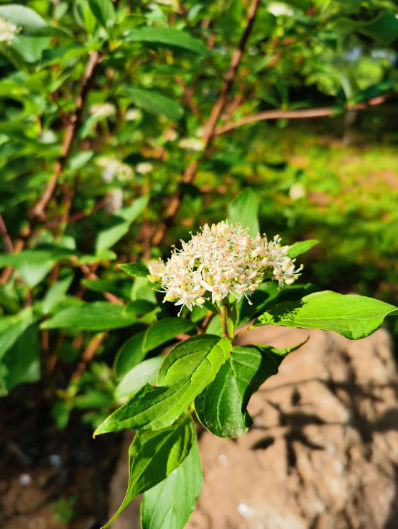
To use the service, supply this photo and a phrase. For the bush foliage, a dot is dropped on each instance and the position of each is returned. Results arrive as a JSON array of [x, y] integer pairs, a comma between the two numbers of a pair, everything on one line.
[[124, 127]]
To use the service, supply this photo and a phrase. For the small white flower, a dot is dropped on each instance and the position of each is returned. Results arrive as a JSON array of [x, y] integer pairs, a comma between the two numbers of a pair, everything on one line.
[[8, 30], [278, 9], [144, 167], [220, 260], [105, 110], [191, 144], [114, 202], [296, 191], [132, 114]]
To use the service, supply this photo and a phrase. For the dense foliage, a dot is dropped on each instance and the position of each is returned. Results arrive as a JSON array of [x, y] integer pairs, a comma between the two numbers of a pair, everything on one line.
[[124, 127]]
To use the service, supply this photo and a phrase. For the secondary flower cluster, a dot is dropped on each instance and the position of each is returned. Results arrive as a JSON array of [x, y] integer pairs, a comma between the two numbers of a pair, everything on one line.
[[220, 260], [8, 30]]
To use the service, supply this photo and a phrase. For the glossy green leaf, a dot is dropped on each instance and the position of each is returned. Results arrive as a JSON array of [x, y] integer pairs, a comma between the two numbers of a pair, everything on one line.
[[170, 504], [197, 353], [139, 345], [29, 48], [56, 293], [23, 17], [221, 407], [34, 265], [12, 327], [383, 29], [135, 269], [21, 363], [144, 373], [154, 455], [154, 102], [97, 316], [304, 5], [187, 370], [104, 12], [168, 38], [301, 247], [100, 285], [351, 316], [119, 224], [244, 209], [268, 295]]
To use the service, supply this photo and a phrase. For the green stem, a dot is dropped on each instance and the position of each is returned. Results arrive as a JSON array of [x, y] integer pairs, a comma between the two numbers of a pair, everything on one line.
[[224, 320]]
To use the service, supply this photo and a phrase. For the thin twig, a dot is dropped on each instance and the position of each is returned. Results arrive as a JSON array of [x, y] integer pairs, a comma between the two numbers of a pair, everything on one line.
[[8, 270], [231, 75], [190, 171], [88, 355], [296, 114], [70, 135], [188, 93], [81, 214], [242, 332], [89, 274], [6, 238]]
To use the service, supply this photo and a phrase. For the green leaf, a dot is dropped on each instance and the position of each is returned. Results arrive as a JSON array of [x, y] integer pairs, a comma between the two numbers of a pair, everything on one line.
[[119, 224], [30, 48], [154, 102], [304, 5], [21, 363], [383, 29], [221, 407], [97, 316], [104, 12], [56, 292], [171, 502], [372, 91], [244, 209], [268, 295], [100, 285], [139, 345], [23, 17], [34, 265], [144, 373], [12, 327], [136, 269], [168, 38], [154, 455], [187, 370], [351, 316], [301, 247]]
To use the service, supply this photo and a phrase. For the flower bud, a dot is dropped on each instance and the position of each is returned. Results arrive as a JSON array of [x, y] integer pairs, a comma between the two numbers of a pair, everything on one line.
[[170, 298], [200, 301]]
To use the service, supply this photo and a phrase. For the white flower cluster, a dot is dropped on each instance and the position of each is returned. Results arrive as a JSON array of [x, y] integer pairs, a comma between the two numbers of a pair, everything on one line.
[[114, 168], [223, 259], [8, 30]]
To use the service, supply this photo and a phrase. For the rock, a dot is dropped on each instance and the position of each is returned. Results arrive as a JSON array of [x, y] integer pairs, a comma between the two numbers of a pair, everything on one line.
[[323, 451]]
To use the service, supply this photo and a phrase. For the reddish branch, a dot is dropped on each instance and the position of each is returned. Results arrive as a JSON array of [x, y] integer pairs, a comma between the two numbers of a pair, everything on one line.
[[231, 75], [74, 122], [81, 214], [88, 355], [188, 93], [8, 270], [190, 171], [6, 238], [296, 114]]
